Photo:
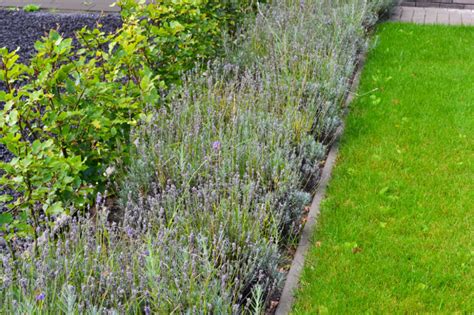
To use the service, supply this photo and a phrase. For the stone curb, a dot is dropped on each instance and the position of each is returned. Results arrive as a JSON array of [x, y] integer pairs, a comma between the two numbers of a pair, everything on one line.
[[292, 279]]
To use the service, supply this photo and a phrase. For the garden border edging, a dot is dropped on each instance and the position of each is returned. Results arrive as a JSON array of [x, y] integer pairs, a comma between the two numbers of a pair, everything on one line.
[[292, 279]]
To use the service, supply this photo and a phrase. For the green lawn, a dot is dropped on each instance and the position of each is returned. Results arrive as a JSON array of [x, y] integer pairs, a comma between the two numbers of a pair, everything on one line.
[[396, 232]]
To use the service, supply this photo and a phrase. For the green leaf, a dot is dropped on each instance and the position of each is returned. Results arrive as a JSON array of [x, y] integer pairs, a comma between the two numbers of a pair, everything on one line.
[[176, 27], [13, 117], [55, 209], [5, 198], [6, 218]]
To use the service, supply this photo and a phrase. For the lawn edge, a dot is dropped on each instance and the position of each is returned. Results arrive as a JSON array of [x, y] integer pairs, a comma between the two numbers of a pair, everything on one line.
[[287, 297]]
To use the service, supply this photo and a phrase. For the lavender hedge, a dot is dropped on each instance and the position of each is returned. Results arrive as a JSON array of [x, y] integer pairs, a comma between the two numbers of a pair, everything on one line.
[[219, 180]]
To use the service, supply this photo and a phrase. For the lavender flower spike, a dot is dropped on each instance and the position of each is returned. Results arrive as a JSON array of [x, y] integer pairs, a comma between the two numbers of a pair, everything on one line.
[[216, 145], [40, 297]]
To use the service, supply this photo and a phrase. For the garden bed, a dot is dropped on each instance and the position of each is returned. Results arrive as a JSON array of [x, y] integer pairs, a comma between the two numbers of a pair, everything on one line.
[[215, 174]]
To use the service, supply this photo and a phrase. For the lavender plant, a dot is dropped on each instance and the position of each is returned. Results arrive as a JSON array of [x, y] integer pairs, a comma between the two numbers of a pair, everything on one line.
[[218, 178], [244, 142]]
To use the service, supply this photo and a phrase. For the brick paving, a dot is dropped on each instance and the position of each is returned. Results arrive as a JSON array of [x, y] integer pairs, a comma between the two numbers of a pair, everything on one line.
[[453, 4], [433, 15], [64, 5]]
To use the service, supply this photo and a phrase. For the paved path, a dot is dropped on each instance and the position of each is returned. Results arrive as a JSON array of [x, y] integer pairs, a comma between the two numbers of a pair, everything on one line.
[[433, 15], [66, 5], [452, 4]]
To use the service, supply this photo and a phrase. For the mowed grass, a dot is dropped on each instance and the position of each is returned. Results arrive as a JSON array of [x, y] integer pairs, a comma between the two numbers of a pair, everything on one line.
[[396, 231]]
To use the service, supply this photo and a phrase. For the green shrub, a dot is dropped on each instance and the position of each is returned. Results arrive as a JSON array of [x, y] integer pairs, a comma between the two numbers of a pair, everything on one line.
[[67, 117], [183, 33], [75, 106]]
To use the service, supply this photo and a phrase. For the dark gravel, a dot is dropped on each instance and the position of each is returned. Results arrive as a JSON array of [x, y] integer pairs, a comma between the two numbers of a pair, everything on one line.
[[21, 30]]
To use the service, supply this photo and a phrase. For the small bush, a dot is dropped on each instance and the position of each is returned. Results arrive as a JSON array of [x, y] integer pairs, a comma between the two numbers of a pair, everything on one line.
[[31, 8]]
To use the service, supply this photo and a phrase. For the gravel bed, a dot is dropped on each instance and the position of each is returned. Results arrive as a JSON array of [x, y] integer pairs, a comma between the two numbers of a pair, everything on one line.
[[19, 29]]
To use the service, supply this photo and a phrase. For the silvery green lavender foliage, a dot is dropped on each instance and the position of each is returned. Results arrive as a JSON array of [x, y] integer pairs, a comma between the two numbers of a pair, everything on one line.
[[219, 181], [240, 146]]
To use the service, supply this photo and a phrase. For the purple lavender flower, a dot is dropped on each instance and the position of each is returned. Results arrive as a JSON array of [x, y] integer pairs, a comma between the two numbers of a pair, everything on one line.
[[40, 297], [302, 4], [216, 145], [147, 310], [130, 231], [23, 283]]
